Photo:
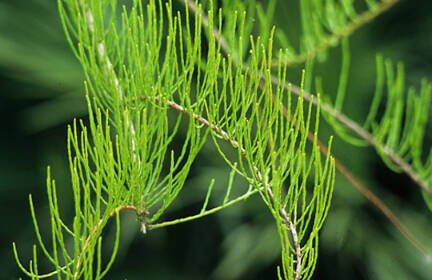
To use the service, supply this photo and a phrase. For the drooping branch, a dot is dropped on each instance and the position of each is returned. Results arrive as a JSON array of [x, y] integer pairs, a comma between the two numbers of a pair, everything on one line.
[[343, 170], [235, 144], [371, 197], [352, 125]]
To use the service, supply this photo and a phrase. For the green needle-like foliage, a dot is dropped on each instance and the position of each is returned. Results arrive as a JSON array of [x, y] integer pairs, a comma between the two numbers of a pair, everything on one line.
[[140, 63], [272, 155]]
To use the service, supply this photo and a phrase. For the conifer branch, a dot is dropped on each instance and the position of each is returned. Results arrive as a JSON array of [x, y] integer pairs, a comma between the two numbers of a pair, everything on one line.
[[342, 118], [360, 131], [271, 146], [235, 144]]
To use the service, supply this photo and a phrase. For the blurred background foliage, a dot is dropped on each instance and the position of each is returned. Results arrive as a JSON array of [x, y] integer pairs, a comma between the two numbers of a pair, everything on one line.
[[42, 91]]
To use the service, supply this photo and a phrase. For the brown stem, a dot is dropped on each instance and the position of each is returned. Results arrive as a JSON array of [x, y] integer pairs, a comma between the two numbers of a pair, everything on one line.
[[297, 250]]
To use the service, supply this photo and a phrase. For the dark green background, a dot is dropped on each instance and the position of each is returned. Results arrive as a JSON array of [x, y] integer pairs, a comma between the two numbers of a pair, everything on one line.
[[42, 90]]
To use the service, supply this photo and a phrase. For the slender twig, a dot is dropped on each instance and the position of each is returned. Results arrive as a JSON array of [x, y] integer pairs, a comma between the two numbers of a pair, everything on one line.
[[205, 213], [343, 170], [297, 274]]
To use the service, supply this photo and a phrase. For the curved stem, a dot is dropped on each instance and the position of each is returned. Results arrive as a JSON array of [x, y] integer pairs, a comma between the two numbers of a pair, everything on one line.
[[205, 213], [97, 228]]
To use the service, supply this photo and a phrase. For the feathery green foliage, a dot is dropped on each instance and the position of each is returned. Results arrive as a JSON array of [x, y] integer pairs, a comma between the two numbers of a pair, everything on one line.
[[139, 67], [150, 74]]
